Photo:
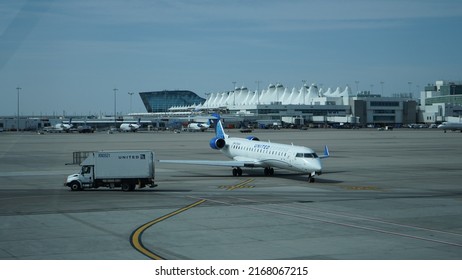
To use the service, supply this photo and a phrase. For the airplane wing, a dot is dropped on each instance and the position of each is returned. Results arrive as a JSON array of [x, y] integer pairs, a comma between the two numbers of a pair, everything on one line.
[[230, 163]]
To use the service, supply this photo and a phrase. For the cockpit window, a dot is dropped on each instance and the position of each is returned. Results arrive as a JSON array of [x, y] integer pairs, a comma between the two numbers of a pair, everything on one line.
[[306, 155]]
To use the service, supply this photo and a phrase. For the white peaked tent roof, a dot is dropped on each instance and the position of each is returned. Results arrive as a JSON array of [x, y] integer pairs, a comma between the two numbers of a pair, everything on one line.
[[313, 92], [336, 93], [274, 93], [328, 93]]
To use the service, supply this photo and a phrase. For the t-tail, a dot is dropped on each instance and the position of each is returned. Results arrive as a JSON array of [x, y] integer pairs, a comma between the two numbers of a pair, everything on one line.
[[218, 142], [219, 130], [326, 152]]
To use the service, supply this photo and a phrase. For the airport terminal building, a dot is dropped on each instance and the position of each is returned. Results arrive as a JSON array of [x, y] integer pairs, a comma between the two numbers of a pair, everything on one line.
[[308, 105], [441, 102], [162, 101], [300, 106]]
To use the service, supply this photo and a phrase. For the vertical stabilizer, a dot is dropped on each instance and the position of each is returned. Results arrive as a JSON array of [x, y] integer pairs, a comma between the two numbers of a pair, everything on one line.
[[219, 130]]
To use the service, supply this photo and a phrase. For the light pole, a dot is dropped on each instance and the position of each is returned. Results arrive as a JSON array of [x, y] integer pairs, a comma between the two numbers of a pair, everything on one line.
[[258, 91], [115, 107], [234, 93], [258, 94], [131, 93], [17, 123], [410, 83], [207, 100]]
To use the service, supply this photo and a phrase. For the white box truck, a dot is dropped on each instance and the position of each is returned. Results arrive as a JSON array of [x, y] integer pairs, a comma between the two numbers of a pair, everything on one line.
[[115, 169]]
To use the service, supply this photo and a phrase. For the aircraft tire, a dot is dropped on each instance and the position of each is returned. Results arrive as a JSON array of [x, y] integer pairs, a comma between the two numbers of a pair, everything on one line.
[[234, 172], [311, 180], [269, 171], [239, 172]]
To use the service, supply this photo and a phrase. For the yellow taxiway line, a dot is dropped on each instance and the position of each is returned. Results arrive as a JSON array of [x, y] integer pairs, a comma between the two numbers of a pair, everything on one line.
[[135, 238]]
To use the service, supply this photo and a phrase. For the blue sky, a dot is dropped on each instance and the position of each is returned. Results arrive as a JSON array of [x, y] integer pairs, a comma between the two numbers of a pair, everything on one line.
[[68, 56]]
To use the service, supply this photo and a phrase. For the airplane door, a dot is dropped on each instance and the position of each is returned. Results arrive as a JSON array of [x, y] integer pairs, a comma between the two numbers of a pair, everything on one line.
[[290, 159]]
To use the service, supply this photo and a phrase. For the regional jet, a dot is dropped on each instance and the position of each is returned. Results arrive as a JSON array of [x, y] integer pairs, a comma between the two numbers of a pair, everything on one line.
[[60, 127], [453, 126], [198, 126], [130, 127], [251, 152]]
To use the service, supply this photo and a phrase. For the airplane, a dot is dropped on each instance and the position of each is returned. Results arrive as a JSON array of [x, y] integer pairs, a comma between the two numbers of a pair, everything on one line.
[[251, 152], [453, 126], [198, 126], [60, 127], [130, 127]]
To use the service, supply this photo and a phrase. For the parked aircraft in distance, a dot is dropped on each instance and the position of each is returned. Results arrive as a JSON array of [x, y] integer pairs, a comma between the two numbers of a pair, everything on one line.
[[130, 127], [198, 126], [251, 152], [60, 127], [453, 126]]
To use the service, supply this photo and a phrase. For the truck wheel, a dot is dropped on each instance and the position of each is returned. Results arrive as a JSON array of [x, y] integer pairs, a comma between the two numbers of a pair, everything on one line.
[[75, 186], [125, 187]]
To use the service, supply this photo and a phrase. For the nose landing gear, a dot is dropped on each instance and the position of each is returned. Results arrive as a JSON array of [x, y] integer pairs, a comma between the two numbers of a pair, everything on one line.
[[311, 176]]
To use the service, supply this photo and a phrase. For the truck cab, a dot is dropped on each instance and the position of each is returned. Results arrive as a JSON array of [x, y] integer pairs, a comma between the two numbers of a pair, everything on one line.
[[87, 175], [80, 180]]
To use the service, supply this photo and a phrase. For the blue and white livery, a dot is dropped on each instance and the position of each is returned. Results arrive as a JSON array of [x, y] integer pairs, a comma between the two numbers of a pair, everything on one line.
[[251, 152]]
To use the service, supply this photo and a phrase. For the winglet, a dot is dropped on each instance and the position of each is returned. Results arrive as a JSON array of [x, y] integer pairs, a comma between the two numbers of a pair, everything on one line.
[[326, 152]]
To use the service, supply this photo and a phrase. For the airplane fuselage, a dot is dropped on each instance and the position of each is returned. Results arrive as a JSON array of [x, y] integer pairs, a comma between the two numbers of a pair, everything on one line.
[[450, 126], [129, 127], [267, 154], [198, 126]]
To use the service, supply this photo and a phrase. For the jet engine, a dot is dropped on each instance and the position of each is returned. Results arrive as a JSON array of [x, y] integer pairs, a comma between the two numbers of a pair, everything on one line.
[[252, 138], [217, 143]]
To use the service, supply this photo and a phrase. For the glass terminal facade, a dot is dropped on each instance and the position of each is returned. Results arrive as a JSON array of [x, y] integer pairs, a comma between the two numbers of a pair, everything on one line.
[[161, 101], [444, 92]]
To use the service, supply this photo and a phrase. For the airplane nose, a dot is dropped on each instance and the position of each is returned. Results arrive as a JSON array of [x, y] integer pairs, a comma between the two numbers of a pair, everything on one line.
[[317, 166]]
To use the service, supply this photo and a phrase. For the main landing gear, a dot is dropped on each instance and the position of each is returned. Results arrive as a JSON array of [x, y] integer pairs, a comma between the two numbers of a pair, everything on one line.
[[237, 171], [269, 171]]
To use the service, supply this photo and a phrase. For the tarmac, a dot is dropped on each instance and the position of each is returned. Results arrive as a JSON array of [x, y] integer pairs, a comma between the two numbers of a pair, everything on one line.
[[384, 195]]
